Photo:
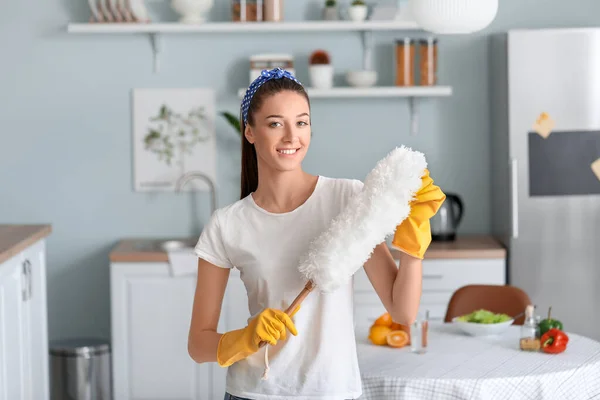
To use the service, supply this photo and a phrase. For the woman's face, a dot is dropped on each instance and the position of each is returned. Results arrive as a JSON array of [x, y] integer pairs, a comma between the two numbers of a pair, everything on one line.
[[281, 131]]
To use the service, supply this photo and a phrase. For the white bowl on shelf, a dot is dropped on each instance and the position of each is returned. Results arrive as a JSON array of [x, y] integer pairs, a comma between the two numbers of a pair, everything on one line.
[[477, 329], [361, 78], [192, 11]]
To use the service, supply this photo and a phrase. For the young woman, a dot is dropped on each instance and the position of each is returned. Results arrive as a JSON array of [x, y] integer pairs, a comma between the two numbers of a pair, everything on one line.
[[264, 234]]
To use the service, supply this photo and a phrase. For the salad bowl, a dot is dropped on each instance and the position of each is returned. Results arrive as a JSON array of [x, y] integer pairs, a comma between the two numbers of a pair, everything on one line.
[[483, 323]]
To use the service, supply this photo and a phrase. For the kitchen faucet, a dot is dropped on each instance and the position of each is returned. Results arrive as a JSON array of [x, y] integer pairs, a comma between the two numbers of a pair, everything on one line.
[[188, 176]]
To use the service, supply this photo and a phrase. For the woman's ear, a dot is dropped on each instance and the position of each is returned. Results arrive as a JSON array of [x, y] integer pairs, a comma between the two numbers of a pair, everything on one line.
[[249, 135]]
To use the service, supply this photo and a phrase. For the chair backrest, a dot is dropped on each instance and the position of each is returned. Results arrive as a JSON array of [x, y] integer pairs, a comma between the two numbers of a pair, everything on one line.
[[495, 298]]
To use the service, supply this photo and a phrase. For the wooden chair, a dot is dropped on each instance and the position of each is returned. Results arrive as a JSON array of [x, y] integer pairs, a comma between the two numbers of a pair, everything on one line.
[[495, 298]]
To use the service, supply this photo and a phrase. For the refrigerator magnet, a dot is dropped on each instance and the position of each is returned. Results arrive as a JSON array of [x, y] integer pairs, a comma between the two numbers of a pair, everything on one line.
[[543, 125], [596, 168]]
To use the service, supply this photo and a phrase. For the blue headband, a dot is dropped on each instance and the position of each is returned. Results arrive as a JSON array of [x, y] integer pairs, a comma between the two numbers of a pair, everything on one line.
[[276, 73]]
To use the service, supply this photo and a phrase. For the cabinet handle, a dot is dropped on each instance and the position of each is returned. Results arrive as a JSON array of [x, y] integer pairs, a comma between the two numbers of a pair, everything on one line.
[[24, 281], [27, 277], [436, 276], [514, 197]]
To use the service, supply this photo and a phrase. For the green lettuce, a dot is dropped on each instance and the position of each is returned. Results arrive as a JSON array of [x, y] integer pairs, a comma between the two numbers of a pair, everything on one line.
[[484, 317]]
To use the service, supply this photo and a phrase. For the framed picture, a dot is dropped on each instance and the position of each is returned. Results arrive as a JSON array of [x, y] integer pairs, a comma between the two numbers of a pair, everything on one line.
[[173, 134]]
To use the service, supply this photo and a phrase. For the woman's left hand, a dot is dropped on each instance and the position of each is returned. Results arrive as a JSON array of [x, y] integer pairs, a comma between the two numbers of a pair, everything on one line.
[[413, 235]]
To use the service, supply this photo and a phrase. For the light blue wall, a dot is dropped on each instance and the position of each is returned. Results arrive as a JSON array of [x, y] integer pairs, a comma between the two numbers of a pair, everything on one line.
[[65, 148]]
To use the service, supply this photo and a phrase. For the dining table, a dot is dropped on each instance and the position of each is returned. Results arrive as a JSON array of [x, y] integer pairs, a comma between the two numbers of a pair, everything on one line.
[[457, 366]]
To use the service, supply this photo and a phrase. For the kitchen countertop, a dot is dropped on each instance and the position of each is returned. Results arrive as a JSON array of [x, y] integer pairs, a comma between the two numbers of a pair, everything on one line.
[[477, 246], [16, 238]]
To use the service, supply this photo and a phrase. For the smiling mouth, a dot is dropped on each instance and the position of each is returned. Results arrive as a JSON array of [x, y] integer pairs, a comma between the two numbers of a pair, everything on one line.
[[287, 151]]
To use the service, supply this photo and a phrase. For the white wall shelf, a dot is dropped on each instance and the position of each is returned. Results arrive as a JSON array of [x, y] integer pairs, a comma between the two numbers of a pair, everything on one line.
[[375, 91], [156, 30], [242, 27], [409, 92], [366, 29]]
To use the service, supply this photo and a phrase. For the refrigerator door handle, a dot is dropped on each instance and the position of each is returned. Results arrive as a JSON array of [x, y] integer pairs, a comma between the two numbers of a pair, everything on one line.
[[514, 182]]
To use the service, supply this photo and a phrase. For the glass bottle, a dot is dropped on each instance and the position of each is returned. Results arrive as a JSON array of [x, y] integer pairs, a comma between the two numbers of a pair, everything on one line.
[[528, 338], [419, 332], [428, 55], [405, 58]]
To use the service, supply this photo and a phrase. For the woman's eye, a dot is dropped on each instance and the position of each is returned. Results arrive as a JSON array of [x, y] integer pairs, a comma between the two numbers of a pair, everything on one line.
[[274, 124], [302, 123]]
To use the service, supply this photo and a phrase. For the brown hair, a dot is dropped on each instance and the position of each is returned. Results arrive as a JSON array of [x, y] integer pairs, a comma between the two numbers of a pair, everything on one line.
[[249, 176]]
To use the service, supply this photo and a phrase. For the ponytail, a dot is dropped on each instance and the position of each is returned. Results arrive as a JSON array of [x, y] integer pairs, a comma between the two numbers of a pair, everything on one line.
[[249, 181]]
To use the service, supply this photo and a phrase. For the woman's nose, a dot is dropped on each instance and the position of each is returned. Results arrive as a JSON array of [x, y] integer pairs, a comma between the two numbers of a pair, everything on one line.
[[290, 134]]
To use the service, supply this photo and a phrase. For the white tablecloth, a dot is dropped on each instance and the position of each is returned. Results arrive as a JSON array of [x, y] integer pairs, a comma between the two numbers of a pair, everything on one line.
[[457, 367]]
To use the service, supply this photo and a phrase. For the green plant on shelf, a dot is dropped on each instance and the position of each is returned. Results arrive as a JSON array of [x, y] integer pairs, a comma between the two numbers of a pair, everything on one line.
[[233, 120], [172, 135], [330, 3], [358, 3]]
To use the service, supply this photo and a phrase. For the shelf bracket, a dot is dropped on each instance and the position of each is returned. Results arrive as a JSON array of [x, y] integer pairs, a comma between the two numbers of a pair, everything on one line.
[[157, 44], [414, 115], [367, 44]]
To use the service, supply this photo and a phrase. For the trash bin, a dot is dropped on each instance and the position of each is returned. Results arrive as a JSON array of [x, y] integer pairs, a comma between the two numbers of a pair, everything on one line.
[[80, 369]]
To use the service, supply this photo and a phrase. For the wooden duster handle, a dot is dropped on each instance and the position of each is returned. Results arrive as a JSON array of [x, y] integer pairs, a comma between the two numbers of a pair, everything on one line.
[[297, 301]]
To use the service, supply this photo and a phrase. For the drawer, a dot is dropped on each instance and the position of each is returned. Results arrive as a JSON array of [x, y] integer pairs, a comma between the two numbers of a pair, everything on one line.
[[449, 275], [429, 297]]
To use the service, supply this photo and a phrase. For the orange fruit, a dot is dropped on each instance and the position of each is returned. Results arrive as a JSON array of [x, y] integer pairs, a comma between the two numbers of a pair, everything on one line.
[[378, 334], [384, 320], [396, 339], [399, 327]]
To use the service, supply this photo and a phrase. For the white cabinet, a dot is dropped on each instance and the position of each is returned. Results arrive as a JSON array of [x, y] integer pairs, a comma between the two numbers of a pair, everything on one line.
[[150, 314], [441, 278], [23, 326]]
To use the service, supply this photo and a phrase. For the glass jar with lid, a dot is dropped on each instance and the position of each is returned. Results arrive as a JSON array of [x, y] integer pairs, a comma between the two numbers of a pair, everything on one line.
[[428, 54], [246, 10], [405, 58], [259, 62], [273, 10]]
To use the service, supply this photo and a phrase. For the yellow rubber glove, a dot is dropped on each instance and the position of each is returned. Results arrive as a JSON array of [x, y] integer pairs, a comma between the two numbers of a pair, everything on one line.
[[413, 235], [268, 326]]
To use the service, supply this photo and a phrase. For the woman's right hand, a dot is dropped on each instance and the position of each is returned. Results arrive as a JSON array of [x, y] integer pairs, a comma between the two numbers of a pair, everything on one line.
[[269, 326]]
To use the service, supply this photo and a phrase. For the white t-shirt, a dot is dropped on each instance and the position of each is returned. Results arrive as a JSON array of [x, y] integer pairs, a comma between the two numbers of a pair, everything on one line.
[[321, 361]]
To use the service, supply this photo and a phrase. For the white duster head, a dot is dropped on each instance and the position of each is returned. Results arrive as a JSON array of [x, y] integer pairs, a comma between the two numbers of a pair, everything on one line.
[[370, 216]]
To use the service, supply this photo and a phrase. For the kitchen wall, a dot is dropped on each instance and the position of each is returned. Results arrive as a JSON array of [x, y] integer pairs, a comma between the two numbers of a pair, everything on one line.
[[65, 149]]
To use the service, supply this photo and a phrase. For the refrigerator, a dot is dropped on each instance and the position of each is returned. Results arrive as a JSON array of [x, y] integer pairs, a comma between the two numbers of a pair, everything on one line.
[[545, 158]]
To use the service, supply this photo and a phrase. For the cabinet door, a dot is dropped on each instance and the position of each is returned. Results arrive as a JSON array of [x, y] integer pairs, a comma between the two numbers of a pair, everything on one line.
[[151, 313], [36, 370], [12, 331]]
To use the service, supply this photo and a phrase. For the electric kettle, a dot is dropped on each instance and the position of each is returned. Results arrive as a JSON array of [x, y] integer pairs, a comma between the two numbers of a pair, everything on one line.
[[444, 223]]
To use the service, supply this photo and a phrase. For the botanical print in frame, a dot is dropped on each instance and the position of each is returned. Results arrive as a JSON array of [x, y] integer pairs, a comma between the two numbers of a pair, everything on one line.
[[173, 133]]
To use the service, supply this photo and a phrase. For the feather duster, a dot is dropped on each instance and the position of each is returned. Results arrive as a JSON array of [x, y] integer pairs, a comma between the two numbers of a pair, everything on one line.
[[370, 216]]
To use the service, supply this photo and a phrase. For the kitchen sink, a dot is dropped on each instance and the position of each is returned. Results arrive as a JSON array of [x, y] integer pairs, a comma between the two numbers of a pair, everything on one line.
[[169, 245], [164, 244]]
